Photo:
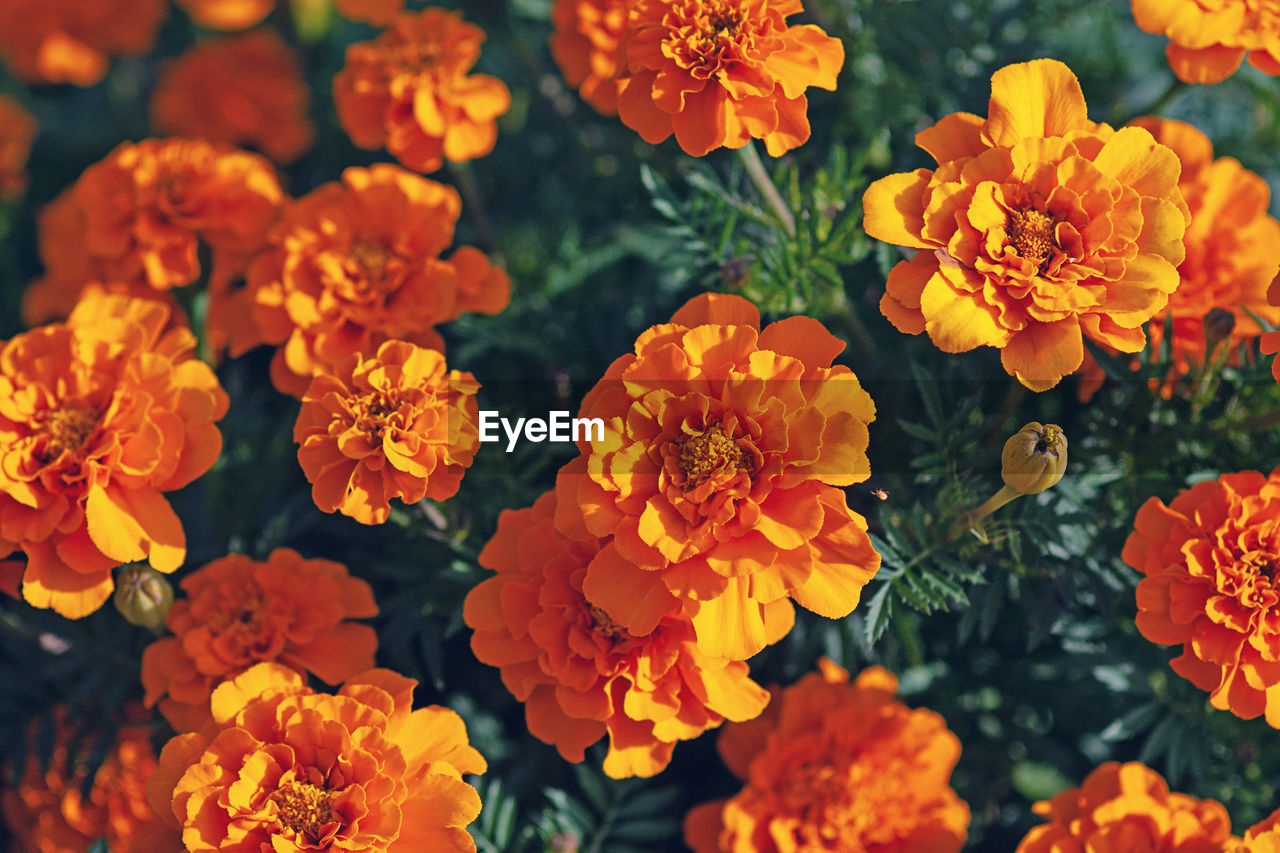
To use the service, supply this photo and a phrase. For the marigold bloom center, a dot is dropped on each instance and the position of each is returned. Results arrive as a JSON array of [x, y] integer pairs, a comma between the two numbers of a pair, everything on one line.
[[1031, 233], [373, 411], [708, 453], [602, 623], [68, 430], [370, 259], [304, 808], [415, 57]]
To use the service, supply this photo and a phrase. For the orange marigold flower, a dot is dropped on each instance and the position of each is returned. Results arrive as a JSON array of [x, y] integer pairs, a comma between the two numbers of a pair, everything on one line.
[[1209, 559], [357, 263], [397, 424], [227, 14], [17, 132], [52, 812], [376, 12], [582, 675], [1209, 38], [1123, 808], [1270, 342], [280, 767], [585, 46], [719, 476], [718, 73], [71, 41], [245, 90], [1037, 227], [408, 90], [1263, 837], [833, 766], [98, 417], [239, 612]]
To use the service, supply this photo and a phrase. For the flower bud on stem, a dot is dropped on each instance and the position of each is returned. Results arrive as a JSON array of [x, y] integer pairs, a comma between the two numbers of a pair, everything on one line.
[[1034, 459]]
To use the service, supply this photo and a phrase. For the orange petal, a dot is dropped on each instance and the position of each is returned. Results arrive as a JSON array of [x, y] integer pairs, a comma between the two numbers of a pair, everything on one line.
[[1034, 99], [1042, 353]]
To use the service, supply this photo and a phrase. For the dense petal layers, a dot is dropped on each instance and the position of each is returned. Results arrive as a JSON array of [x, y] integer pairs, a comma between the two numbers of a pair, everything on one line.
[[582, 675], [1263, 837], [1211, 566], [239, 612], [718, 73], [1037, 228], [585, 45], [98, 417], [397, 424], [17, 132], [70, 41], [838, 768], [409, 91], [1123, 808], [1208, 39]]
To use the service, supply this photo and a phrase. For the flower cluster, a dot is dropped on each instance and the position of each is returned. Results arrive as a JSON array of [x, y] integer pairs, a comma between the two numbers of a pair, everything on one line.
[[70, 41], [1208, 40], [17, 132]]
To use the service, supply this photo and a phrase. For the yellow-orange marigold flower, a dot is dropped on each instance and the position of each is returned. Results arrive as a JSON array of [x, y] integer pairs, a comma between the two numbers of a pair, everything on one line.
[[719, 476], [409, 91], [239, 612], [357, 263], [839, 767], [718, 73], [17, 132], [1263, 837], [98, 417], [1124, 808], [245, 90], [581, 675], [1209, 562], [1037, 227], [376, 12], [282, 768], [71, 41], [50, 811], [585, 46], [397, 424], [1208, 39], [227, 14]]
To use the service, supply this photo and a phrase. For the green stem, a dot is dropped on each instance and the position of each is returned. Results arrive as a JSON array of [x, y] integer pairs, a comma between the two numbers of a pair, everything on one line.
[[988, 506], [755, 170], [474, 205]]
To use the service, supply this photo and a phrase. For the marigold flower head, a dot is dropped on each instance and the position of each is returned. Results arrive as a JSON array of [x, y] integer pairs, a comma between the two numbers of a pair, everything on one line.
[[409, 91], [585, 45], [17, 132], [397, 424], [1125, 808], [283, 768], [719, 476], [1037, 227], [1208, 40], [1262, 837], [1211, 566], [356, 263], [227, 14], [839, 767], [579, 673], [71, 41], [718, 73], [98, 417], [239, 612], [244, 90]]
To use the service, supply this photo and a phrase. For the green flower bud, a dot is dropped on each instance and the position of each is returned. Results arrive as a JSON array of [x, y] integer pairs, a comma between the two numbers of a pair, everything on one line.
[[1034, 458], [143, 596]]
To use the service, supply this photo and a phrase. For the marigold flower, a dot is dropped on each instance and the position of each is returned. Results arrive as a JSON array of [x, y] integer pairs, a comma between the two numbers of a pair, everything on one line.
[[718, 477], [71, 41], [52, 812], [239, 612], [227, 14], [244, 90], [357, 263], [585, 46], [1037, 227], [409, 90], [1209, 559], [98, 417], [17, 132], [1127, 807], [1208, 40], [280, 767], [1263, 837], [718, 73], [582, 675], [837, 767], [376, 12], [397, 424]]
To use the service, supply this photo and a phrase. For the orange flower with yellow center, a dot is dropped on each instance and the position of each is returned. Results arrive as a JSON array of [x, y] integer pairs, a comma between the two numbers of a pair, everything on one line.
[[1211, 566], [397, 424], [17, 132], [244, 90], [718, 73], [282, 768], [1038, 227], [227, 14], [1127, 808], [719, 476], [580, 674], [1208, 39], [239, 612], [409, 91], [356, 263], [98, 417], [839, 768], [585, 46], [71, 41]]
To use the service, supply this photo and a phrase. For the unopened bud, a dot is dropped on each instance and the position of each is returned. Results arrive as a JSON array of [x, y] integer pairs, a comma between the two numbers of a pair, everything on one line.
[[143, 596], [1034, 458], [735, 273], [1219, 323]]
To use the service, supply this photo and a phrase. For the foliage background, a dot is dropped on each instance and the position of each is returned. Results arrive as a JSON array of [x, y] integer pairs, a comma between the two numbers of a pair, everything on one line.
[[1024, 643]]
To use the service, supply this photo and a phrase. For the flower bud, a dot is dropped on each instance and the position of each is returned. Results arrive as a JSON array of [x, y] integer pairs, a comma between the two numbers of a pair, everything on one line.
[[143, 596], [1219, 323], [1034, 458]]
